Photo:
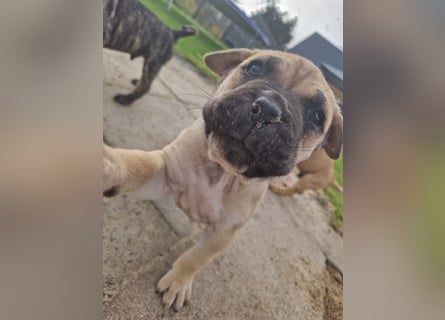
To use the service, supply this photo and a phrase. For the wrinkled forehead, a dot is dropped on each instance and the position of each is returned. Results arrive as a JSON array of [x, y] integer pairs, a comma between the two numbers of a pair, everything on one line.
[[289, 72], [294, 73]]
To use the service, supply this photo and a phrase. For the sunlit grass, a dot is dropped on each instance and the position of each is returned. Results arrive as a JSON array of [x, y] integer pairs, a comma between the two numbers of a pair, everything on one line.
[[192, 48], [336, 197]]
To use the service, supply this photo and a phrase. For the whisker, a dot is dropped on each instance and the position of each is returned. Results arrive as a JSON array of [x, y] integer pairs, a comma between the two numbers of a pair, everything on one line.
[[195, 108], [309, 148], [197, 95], [202, 90], [223, 89]]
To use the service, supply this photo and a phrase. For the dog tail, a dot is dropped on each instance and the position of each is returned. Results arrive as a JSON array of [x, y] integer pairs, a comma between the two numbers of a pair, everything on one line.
[[336, 186], [186, 31]]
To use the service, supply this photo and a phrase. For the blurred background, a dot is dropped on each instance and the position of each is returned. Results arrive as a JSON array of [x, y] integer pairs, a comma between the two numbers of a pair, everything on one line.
[[395, 223], [51, 135]]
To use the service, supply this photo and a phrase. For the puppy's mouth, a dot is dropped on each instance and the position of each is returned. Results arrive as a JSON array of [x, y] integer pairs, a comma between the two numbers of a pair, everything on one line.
[[216, 153], [252, 132]]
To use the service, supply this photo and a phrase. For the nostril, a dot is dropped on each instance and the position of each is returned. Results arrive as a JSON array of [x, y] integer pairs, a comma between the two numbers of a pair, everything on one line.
[[268, 109], [255, 108]]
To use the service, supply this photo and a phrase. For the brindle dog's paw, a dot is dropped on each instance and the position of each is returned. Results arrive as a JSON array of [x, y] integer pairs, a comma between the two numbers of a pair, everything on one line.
[[176, 289], [123, 100]]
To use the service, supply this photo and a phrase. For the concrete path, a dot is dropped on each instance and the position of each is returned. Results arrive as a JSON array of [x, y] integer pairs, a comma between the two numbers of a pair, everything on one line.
[[274, 269]]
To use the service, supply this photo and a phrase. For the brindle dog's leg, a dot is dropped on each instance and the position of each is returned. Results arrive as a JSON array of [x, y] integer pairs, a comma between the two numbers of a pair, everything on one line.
[[149, 71]]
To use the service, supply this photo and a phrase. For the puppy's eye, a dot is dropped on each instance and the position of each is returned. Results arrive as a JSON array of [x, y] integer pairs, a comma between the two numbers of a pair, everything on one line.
[[318, 117], [314, 120], [314, 112], [254, 69]]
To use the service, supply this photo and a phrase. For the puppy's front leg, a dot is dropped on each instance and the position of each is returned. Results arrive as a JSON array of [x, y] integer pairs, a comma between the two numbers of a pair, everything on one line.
[[309, 181], [177, 283], [128, 170]]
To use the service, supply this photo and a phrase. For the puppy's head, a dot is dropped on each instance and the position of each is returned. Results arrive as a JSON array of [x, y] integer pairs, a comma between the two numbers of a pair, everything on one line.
[[271, 110]]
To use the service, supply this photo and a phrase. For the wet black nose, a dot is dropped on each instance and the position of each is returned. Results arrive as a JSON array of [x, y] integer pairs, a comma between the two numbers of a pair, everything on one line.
[[265, 110]]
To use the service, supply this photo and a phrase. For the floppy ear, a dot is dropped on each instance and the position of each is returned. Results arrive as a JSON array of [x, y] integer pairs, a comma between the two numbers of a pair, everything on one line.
[[222, 61], [334, 138]]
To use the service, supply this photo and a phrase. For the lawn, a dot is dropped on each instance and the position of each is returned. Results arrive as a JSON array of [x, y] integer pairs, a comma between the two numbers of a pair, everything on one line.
[[192, 48], [336, 197]]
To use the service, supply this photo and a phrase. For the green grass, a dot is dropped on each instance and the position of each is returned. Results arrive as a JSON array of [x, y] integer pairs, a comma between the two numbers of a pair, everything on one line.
[[336, 197], [426, 213], [192, 48]]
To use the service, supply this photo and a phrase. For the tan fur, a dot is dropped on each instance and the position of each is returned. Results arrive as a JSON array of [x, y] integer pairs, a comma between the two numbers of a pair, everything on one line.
[[204, 185], [317, 172], [182, 169], [298, 75]]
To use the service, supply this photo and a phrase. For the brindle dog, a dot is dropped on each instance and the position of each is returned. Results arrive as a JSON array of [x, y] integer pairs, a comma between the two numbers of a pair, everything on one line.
[[270, 111], [128, 26]]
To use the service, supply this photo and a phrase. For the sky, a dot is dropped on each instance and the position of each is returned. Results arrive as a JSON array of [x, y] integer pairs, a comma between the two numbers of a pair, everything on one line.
[[323, 16]]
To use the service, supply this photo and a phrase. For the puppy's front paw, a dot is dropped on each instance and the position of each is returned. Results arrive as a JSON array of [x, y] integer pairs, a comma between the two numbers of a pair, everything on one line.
[[110, 174], [277, 187], [123, 100], [111, 192], [176, 288]]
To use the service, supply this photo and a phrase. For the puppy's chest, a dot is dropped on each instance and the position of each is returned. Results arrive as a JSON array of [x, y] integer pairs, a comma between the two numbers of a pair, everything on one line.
[[201, 194]]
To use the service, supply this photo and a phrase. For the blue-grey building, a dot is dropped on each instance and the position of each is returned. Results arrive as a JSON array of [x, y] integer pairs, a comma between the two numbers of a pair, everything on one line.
[[326, 56]]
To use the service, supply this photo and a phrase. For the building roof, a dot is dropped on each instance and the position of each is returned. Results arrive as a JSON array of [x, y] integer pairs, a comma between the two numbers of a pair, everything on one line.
[[239, 17], [319, 50], [324, 55], [333, 75], [335, 71]]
